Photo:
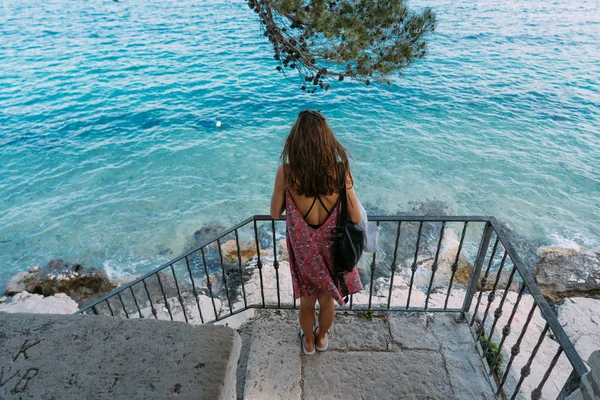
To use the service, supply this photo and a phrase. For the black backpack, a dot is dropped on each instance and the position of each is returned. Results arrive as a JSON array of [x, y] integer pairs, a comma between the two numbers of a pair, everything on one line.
[[348, 247]]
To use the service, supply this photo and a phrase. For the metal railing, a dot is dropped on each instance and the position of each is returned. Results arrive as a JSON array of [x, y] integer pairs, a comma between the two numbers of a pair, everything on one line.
[[423, 265]]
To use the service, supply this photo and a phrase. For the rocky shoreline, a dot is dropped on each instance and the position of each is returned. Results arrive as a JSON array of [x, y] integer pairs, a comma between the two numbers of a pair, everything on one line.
[[569, 278], [560, 273]]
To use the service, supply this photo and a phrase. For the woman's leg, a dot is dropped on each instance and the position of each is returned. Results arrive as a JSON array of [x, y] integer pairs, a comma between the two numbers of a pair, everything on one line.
[[326, 315], [307, 321]]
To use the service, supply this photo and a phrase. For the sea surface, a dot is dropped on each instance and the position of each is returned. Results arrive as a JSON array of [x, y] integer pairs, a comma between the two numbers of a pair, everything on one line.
[[110, 155]]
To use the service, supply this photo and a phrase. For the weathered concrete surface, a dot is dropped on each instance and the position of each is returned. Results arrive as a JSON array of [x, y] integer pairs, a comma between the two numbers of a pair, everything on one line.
[[274, 367], [411, 332], [368, 358], [403, 374], [453, 341], [92, 357], [350, 333], [458, 348]]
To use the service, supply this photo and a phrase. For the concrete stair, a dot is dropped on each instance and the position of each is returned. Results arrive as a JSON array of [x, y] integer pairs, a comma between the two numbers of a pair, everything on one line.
[[75, 357], [383, 356]]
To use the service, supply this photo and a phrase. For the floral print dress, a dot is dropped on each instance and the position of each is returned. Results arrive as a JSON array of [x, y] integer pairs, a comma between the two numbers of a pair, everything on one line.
[[311, 255]]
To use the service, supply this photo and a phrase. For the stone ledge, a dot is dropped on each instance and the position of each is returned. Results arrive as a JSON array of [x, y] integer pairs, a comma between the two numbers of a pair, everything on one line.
[[352, 333], [92, 357], [413, 332], [362, 361], [407, 374], [274, 367]]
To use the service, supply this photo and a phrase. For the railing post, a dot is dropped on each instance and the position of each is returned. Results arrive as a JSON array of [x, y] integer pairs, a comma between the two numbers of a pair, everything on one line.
[[472, 288]]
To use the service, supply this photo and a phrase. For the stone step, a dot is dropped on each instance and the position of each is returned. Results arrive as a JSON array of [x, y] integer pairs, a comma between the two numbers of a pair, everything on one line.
[[274, 366], [47, 356], [383, 356]]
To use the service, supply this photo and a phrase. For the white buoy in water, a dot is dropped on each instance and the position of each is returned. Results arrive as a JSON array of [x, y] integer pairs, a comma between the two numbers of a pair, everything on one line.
[[218, 124]]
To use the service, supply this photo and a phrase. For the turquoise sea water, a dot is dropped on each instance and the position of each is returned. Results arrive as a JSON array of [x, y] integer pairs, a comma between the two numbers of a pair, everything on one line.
[[110, 154]]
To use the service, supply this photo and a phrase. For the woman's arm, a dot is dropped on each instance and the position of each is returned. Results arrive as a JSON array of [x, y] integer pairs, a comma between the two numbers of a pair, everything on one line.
[[278, 198], [352, 200]]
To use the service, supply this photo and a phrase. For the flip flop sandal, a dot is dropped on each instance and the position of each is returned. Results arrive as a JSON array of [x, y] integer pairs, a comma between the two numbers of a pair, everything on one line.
[[326, 339], [306, 352]]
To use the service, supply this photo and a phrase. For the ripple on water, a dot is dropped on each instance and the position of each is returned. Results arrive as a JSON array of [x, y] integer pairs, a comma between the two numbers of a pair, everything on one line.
[[109, 151]]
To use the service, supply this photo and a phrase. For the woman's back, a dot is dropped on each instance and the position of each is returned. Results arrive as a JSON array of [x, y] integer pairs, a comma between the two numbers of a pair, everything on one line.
[[315, 210]]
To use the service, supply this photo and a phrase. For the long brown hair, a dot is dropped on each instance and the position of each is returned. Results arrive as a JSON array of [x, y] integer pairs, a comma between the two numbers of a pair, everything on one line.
[[315, 163]]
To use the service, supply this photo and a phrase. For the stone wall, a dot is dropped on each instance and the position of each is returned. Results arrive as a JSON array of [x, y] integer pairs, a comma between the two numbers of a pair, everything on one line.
[[77, 357]]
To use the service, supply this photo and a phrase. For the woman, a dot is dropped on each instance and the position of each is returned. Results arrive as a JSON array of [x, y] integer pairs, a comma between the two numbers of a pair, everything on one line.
[[314, 170]]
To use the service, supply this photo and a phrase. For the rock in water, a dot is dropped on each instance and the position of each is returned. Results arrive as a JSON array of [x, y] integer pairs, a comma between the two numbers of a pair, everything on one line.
[[16, 284], [211, 253], [230, 248], [204, 234], [563, 273], [502, 281], [81, 284]]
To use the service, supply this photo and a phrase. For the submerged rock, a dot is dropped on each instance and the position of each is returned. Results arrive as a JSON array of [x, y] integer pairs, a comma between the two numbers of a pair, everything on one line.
[[79, 283], [205, 234], [568, 272], [431, 207], [164, 251], [210, 260]]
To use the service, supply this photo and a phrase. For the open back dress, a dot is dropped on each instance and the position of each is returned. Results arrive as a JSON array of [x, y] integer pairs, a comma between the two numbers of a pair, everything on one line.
[[310, 251]]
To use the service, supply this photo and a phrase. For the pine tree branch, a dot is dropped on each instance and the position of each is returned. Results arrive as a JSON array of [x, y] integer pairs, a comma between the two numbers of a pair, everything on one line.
[[357, 39]]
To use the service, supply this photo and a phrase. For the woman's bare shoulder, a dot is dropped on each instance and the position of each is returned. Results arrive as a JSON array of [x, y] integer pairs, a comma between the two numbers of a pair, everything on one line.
[[281, 172]]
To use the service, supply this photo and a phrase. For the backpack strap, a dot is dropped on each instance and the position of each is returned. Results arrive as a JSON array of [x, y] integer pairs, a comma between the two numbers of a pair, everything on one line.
[[338, 275]]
